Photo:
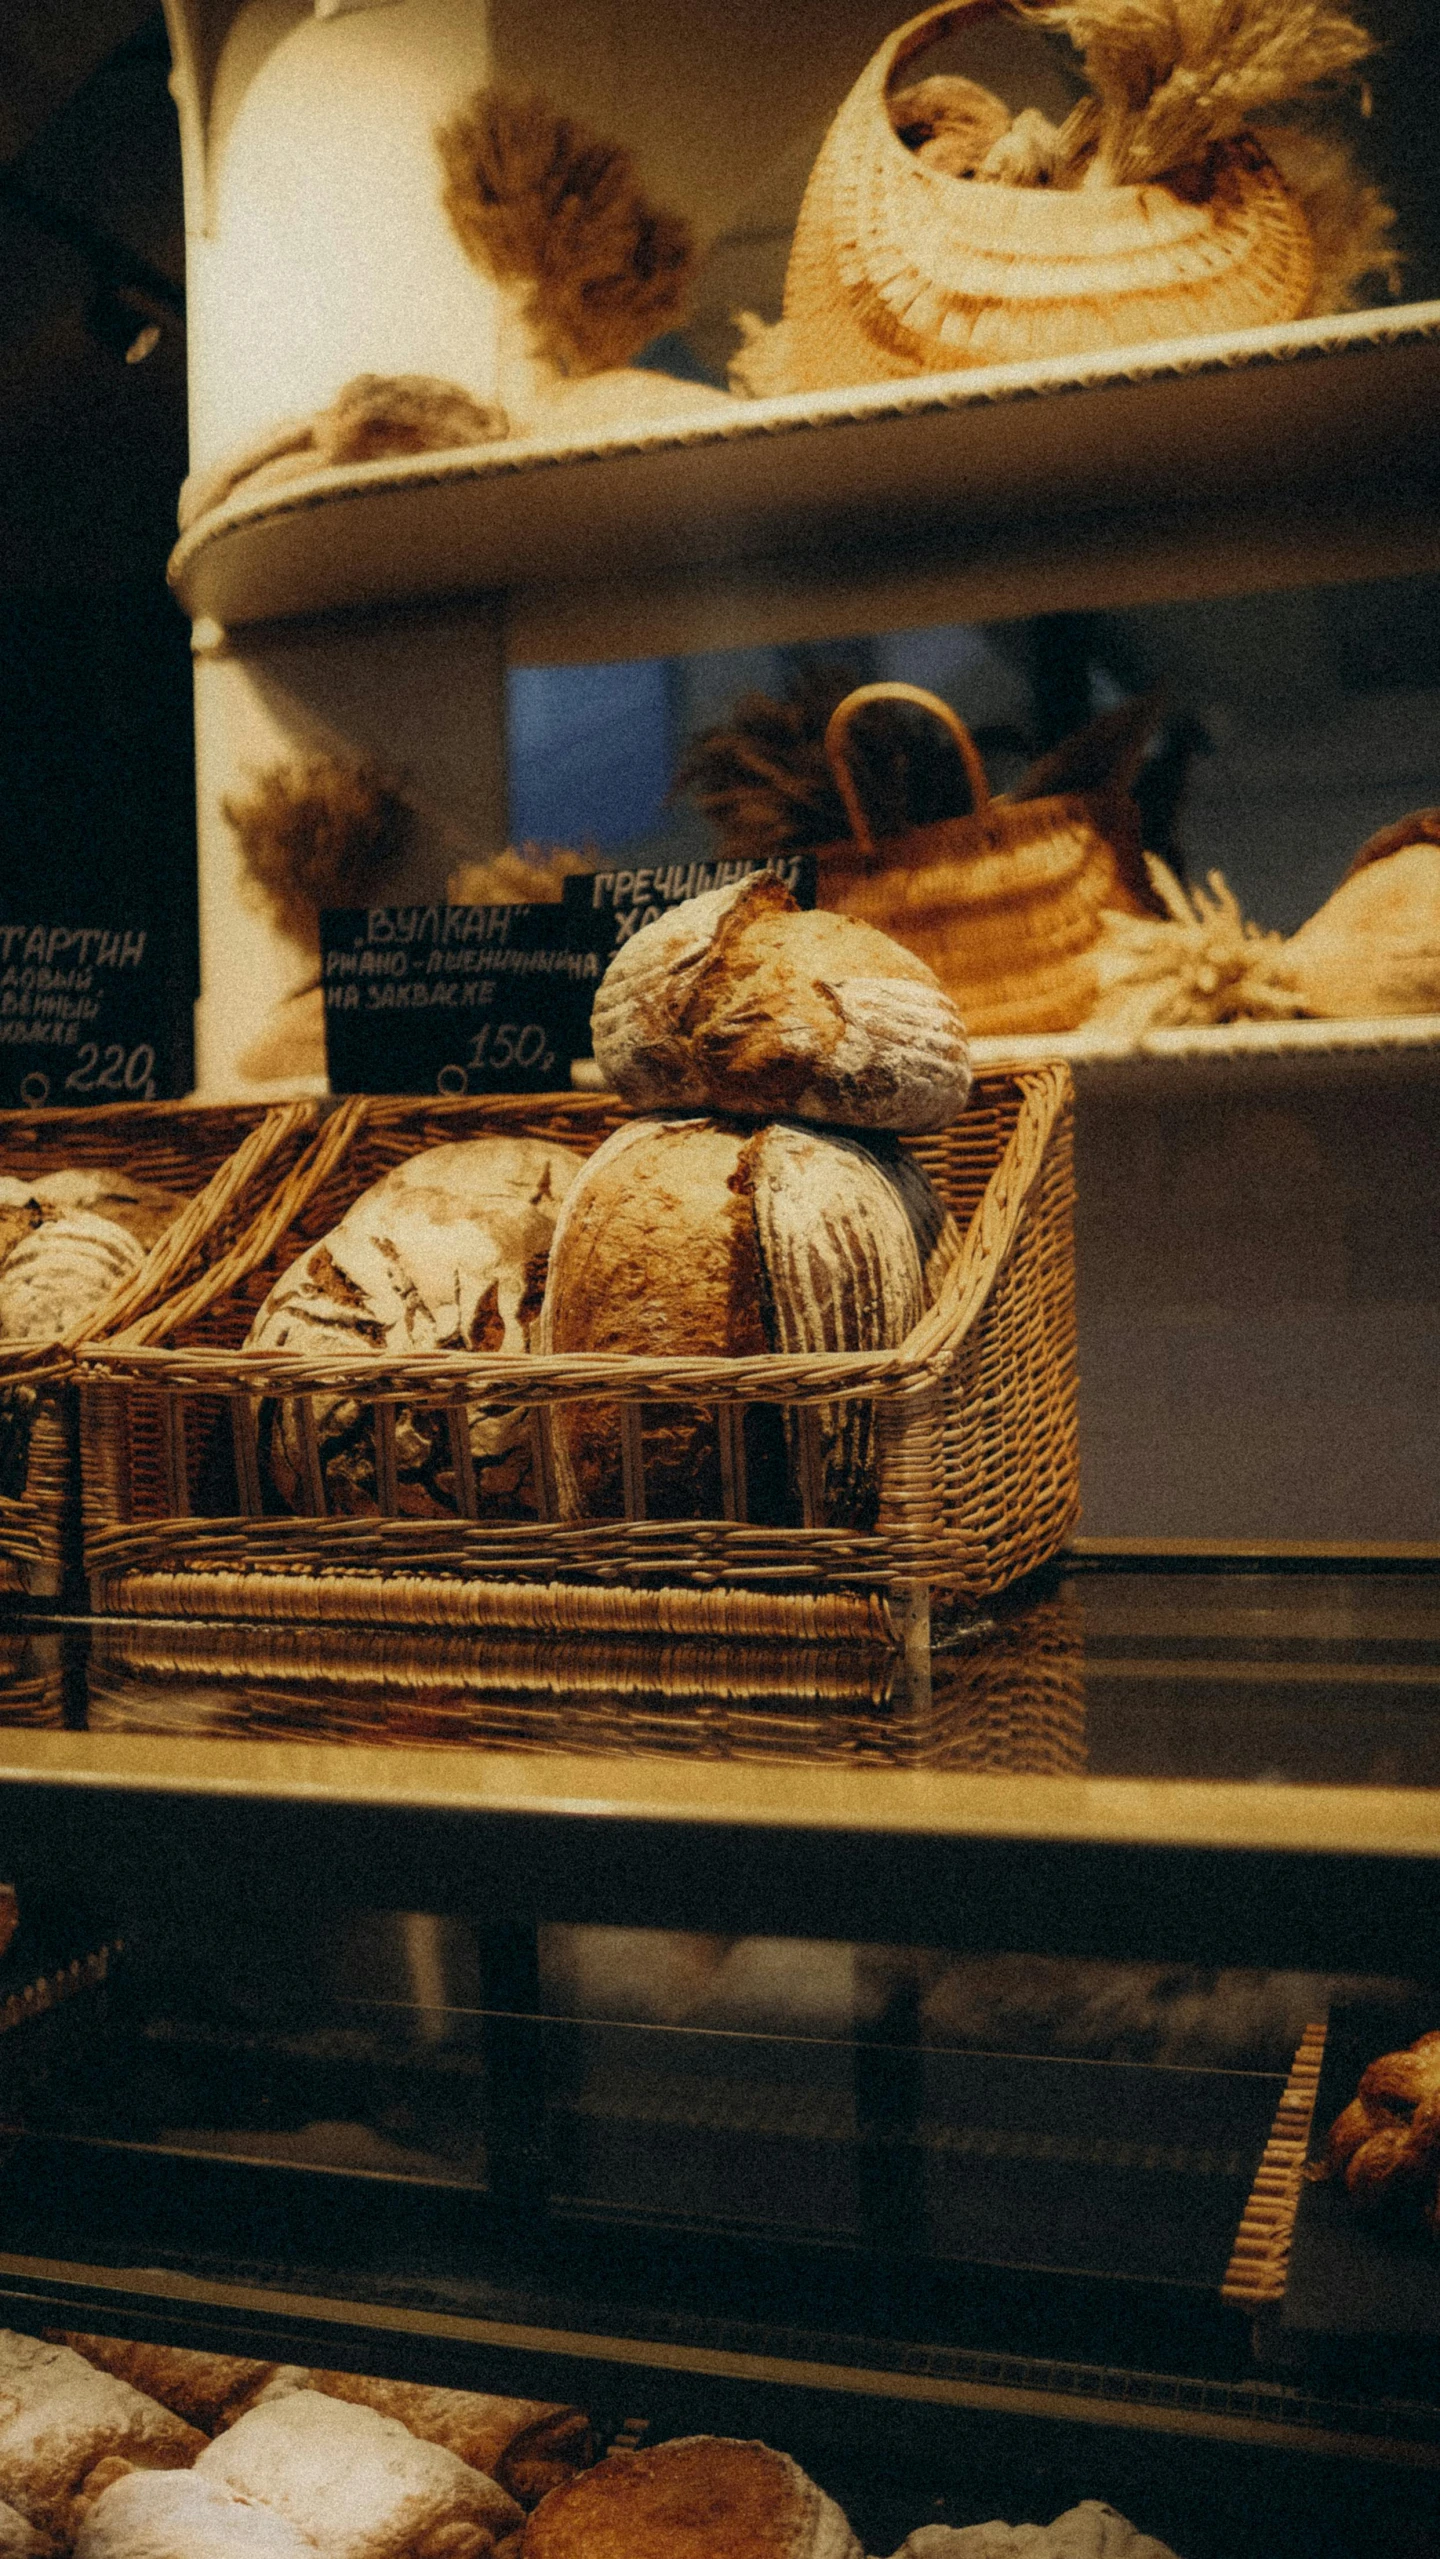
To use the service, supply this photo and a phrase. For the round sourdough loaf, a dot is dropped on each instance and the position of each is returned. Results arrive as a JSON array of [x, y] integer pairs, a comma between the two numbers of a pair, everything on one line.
[[446, 1252], [67, 1240], [738, 1001], [710, 1236], [701, 2497]]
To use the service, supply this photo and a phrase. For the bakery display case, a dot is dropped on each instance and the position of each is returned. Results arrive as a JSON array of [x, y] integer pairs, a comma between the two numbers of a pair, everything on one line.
[[884, 2006], [746, 2043]]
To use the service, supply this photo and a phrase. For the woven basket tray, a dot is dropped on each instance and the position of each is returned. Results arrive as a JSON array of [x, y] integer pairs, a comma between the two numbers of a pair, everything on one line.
[[226, 1158], [974, 1413]]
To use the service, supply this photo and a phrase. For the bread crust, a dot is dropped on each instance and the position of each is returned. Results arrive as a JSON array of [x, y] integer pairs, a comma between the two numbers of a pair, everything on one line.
[[359, 2484], [1385, 2145], [739, 1002], [699, 2497], [60, 2419]]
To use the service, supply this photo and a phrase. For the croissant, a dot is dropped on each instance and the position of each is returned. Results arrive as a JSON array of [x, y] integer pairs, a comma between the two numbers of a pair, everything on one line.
[[1386, 2143]]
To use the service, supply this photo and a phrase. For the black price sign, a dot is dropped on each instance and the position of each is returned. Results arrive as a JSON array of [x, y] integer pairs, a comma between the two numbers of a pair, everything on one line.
[[87, 1014], [607, 908], [454, 999]]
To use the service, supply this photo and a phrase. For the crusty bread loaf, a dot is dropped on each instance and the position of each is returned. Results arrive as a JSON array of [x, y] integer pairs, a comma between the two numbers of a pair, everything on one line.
[[707, 1236], [67, 1240], [60, 2420], [179, 2515], [700, 2497], [360, 2485], [1086, 2531], [447, 1252], [738, 1002]]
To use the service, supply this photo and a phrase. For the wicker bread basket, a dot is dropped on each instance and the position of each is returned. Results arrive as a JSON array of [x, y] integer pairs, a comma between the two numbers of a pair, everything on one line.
[[975, 1424], [1006, 904], [898, 268], [226, 1158]]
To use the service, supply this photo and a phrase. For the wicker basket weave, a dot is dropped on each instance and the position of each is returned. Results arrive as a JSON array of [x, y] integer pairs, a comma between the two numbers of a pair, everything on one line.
[[226, 1158], [975, 1424]]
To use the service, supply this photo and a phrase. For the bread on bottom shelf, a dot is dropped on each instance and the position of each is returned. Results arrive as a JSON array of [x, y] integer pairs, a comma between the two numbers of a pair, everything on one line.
[[529, 2445], [698, 2497], [60, 2420], [359, 2485], [177, 2515], [1087, 2531]]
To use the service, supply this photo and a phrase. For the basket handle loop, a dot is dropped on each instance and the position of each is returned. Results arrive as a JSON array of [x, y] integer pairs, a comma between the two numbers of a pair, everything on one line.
[[837, 741]]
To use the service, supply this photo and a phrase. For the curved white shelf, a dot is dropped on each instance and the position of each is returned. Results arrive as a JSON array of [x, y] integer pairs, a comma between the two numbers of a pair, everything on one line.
[[1264, 457]]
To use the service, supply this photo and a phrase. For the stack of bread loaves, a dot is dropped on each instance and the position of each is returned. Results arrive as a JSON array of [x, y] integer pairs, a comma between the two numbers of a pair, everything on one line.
[[746, 1212], [761, 1205]]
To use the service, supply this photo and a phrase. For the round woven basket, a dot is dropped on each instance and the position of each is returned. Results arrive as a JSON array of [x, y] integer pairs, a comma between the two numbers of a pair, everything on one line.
[[1005, 904], [898, 268]]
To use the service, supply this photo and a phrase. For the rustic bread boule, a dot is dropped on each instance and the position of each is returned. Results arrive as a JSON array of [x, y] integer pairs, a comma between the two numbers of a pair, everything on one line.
[[737, 1001], [446, 1252], [699, 2497], [67, 1240], [707, 1236]]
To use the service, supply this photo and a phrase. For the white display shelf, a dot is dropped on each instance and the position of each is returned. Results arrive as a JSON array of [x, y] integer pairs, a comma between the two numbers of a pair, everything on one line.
[[1194, 466]]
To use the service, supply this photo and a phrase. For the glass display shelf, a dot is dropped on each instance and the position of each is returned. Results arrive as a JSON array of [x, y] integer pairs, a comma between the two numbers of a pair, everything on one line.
[[1190, 467], [763, 2043], [1178, 1765]]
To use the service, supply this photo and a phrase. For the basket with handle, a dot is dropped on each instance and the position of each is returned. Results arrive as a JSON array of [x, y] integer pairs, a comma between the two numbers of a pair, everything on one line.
[[1006, 903], [899, 267], [225, 1158], [975, 1425]]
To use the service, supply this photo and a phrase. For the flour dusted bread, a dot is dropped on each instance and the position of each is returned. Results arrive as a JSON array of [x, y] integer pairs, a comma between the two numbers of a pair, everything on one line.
[[736, 1001], [529, 2445], [1087, 2531], [360, 2485], [61, 2420], [179, 2515], [447, 1252], [208, 2391], [711, 1237], [20, 2540], [700, 2497], [67, 1241]]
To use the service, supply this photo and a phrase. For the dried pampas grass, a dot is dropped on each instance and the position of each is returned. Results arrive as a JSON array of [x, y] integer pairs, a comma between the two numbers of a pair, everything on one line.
[[1352, 226], [317, 832], [1173, 77], [538, 200], [374, 415]]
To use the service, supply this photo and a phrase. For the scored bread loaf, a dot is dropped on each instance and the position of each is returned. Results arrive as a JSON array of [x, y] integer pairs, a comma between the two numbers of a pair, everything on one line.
[[67, 1240], [360, 2485], [737, 1001], [710, 1237], [700, 2497], [446, 1252], [61, 2420], [176, 2514]]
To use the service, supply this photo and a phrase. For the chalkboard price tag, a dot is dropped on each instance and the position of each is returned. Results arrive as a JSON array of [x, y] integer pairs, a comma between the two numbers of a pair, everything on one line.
[[608, 908], [87, 1015], [454, 999]]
